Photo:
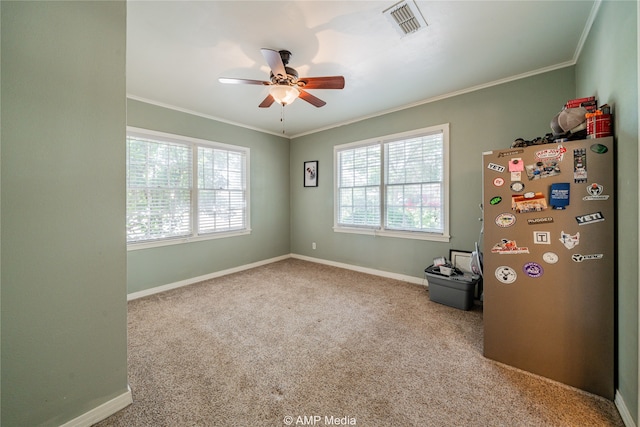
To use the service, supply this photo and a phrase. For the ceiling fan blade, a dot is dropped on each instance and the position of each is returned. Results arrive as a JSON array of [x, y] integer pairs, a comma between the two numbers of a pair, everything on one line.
[[266, 103], [330, 82], [275, 62], [243, 81], [311, 99]]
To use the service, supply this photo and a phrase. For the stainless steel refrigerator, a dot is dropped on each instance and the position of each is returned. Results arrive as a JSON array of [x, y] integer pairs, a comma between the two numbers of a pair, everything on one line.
[[549, 261]]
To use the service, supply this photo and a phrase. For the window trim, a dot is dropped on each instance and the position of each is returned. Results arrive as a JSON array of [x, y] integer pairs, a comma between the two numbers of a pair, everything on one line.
[[381, 230], [195, 143]]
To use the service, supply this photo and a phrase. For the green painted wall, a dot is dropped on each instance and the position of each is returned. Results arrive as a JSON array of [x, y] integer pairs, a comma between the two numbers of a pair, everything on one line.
[[608, 69], [269, 192], [479, 121], [64, 320], [65, 268]]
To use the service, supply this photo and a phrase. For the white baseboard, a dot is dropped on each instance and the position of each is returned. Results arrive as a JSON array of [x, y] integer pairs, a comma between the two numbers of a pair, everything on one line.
[[387, 274], [186, 282], [624, 411], [191, 281], [103, 411]]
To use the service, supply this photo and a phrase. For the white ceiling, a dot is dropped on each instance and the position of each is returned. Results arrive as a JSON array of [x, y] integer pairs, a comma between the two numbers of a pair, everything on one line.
[[177, 50]]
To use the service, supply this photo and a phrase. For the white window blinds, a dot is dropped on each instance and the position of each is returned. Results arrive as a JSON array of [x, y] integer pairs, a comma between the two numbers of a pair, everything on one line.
[[395, 186], [221, 190], [414, 184], [158, 190], [359, 186], [179, 187]]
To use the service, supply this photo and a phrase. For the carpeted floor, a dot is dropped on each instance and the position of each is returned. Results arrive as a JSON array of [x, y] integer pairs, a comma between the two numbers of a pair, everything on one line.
[[299, 343]]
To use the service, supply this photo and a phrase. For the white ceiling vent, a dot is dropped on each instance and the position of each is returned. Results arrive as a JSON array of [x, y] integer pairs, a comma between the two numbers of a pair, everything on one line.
[[406, 17]]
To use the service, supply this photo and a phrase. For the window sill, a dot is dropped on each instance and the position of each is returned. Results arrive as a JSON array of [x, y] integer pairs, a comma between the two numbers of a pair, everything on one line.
[[181, 240], [416, 235]]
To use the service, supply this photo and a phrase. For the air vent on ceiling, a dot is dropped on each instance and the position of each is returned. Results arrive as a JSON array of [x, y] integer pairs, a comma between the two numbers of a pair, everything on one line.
[[406, 17]]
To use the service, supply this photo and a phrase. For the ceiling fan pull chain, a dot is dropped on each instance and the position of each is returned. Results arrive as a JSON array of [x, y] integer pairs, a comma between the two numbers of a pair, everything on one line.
[[282, 117]]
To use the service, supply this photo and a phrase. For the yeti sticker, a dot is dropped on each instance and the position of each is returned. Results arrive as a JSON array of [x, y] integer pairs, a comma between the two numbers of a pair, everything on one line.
[[590, 218]]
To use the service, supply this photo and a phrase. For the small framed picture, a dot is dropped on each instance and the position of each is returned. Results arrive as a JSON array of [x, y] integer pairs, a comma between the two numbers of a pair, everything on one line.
[[311, 173], [461, 260]]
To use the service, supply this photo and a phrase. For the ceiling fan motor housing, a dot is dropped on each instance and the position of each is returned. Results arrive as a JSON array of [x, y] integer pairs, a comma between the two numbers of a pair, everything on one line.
[[285, 55], [290, 79]]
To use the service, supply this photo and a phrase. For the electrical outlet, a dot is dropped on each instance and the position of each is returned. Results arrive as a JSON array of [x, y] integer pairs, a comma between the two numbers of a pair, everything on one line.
[[313, 245]]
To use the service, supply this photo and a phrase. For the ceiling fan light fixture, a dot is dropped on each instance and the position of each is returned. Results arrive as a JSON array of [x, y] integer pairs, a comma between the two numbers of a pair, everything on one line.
[[284, 94]]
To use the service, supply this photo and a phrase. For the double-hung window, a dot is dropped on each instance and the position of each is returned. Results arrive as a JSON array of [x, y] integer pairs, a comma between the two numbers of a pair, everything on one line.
[[394, 186], [181, 188]]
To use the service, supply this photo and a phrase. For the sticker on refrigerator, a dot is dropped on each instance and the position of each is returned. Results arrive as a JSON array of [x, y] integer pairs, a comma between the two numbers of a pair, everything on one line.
[[498, 182], [550, 257], [556, 154], [516, 165], [516, 176], [542, 237], [580, 258], [505, 219], [543, 220], [506, 274], [495, 167], [568, 240], [533, 269], [528, 202], [506, 246], [559, 195], [543, 169], [595, 192], [510, 153], [590, 218], [599, 148], [517, 186], [579, 165], [495, 200]]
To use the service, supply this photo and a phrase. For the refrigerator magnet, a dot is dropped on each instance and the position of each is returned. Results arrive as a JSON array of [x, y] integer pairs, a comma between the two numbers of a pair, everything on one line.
[[506, 274]]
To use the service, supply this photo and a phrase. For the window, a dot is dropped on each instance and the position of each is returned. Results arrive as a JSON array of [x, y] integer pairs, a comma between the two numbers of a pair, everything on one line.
[[395, 186], [181, 188]]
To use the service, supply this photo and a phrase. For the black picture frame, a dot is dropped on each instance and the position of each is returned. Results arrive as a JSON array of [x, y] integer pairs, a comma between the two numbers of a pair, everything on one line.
[[310, 171]]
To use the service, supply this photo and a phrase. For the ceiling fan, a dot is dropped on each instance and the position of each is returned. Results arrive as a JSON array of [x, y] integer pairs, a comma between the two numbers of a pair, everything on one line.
[[285, 85]]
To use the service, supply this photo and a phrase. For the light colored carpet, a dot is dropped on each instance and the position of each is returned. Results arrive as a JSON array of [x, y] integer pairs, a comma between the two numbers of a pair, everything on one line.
[[293, 339]]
